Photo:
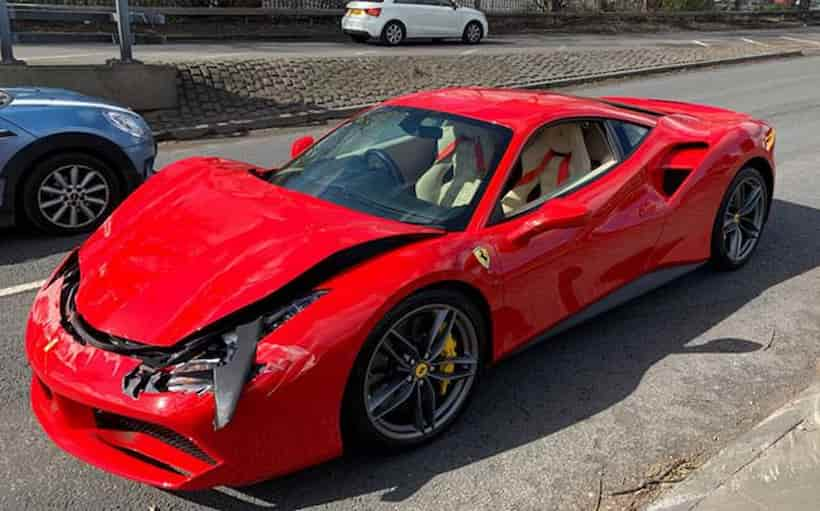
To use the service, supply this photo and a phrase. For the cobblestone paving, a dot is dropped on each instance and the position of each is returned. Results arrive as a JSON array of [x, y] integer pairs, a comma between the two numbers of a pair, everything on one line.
[[256, 92]]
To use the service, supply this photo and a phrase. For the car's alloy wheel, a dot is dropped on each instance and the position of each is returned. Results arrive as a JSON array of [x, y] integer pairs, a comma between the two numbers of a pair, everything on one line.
[[740, 220], [418, 370], [473, 33], [393, 33], [73, 196], [70, 194]]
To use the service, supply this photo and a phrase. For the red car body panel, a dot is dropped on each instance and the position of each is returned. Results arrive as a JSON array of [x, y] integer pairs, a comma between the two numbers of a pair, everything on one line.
[[135, 266], [205, 237]]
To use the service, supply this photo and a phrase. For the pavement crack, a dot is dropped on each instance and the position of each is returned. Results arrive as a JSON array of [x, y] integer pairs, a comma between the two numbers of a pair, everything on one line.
[[771, 340], [760, 453], [681, 465], [600, 489]]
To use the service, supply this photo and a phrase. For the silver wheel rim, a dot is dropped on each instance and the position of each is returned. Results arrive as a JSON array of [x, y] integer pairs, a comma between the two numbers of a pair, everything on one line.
[[421, 372], [73, 196], [473, 33], [393, 33], [743, 219]]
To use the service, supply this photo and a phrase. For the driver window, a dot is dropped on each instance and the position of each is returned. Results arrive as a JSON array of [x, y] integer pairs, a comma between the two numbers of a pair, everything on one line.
[[555, 159]]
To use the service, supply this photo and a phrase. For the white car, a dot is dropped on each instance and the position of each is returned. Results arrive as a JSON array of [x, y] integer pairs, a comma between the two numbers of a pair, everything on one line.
[[393, 21]]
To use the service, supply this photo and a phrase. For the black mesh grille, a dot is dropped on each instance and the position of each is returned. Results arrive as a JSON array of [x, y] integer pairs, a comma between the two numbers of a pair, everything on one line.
[[112, 421]]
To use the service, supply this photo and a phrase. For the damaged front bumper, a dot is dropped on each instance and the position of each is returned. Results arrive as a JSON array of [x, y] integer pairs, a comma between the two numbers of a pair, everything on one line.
[[168, 439]]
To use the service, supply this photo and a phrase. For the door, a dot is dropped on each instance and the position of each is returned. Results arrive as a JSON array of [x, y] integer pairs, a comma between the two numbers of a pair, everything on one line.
[[446, 20], [559, 272], [417, 16]]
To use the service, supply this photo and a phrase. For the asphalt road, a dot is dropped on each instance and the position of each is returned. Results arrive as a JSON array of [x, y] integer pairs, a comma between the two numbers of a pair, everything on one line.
[[98, 53], [672, 376]]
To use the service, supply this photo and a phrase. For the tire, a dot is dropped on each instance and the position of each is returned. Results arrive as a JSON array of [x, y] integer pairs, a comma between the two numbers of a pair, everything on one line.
[[359, 38], [59, 200], [473, 33], [743, 212], [399, 429], [393, 33]]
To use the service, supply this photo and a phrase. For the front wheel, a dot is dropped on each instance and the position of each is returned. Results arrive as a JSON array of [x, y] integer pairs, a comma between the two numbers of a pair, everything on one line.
[[740, 220], [473, 33], [416, 373], [70, 193]]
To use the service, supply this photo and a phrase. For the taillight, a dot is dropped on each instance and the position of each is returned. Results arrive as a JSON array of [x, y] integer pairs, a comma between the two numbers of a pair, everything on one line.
[[375, 12]]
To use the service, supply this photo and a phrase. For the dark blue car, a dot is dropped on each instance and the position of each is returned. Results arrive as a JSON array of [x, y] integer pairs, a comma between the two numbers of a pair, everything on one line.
[[67, 160]]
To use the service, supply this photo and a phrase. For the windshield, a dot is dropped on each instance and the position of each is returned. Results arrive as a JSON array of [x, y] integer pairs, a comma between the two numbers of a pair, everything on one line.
[[4, 97], [406, 164]]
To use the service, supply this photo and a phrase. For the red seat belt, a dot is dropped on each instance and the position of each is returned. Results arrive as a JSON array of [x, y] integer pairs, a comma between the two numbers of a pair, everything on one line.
[[532, 175], [451, 148], [447, 151], [563, 170]]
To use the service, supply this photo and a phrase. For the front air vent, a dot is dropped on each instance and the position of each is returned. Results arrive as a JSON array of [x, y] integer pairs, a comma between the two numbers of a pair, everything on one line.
[[111, 421]]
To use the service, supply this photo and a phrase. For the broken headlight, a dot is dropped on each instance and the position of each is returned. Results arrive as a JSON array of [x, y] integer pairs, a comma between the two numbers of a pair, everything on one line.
[[195, 364]]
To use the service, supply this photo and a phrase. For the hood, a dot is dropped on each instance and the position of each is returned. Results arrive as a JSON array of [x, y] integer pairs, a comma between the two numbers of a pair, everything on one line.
[[470, 10], [205, 238], [52, 96]]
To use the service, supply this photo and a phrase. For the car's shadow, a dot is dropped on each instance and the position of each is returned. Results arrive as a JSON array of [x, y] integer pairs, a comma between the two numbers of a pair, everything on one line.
[[556, 384], [18, 245]]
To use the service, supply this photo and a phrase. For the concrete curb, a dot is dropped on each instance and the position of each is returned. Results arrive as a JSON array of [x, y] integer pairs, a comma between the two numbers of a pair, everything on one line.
[[746, 449], [314, 116]]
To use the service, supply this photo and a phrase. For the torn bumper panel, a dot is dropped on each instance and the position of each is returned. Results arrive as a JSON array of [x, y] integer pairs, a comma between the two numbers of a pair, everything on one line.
[[168, 439]]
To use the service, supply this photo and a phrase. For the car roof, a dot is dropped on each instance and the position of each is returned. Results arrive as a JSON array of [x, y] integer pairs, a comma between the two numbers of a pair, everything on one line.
[[516, 109]]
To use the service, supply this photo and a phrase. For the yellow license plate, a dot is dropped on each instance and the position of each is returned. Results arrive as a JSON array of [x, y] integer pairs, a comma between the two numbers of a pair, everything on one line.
[[355, 12]]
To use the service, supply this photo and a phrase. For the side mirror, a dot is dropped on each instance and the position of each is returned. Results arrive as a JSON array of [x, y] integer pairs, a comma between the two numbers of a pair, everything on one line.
[[554, 214], [300, 145]]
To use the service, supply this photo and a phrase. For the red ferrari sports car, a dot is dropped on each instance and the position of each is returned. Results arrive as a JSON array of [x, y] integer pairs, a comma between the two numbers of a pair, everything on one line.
[[228, 323]]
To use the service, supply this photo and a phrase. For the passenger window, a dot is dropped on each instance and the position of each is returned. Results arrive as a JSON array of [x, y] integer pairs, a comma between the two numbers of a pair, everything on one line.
[[555, 159], [629, 135]]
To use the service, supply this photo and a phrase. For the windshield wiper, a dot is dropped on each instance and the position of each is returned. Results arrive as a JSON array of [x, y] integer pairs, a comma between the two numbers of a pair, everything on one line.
[[403, 216]]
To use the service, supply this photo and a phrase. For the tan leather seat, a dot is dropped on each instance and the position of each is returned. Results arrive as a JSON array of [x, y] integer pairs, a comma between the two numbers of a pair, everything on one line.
[[461, 149], [555, 156]]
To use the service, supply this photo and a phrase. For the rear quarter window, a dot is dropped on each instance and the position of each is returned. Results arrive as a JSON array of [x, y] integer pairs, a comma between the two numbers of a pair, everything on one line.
[[629, 135]]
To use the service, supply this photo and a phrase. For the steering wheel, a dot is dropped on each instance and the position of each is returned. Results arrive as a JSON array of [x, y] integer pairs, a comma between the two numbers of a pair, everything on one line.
[[387, 162]]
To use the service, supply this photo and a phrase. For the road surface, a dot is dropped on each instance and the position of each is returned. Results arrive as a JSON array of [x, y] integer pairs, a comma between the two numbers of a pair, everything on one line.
[[674, 375], [97, 53]]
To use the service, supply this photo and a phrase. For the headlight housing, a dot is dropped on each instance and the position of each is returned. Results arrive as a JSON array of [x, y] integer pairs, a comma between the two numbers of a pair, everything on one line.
[[126, 122], [192, 368]]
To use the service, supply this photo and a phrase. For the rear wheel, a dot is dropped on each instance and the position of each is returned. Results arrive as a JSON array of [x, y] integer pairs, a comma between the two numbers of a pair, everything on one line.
[[472, 33], [740, 220], [416, 373], [70, 193], [393, 33]]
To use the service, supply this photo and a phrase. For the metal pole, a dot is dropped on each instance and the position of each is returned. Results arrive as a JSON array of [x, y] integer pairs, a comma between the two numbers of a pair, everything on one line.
[[6, 39], [123, 29]]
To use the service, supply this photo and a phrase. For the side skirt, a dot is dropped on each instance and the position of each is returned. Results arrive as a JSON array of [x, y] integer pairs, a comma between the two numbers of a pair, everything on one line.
[[634, 289]]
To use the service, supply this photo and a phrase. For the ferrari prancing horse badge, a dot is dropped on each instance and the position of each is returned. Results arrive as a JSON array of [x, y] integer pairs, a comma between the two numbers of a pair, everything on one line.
[[482, 256]]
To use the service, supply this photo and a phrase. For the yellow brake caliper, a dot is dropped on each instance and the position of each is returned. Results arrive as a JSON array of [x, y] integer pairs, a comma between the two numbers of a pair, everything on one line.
[[449, 351]]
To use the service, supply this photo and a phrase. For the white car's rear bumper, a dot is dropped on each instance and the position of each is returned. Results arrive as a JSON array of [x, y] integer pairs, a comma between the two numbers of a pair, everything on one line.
[[362, 24]]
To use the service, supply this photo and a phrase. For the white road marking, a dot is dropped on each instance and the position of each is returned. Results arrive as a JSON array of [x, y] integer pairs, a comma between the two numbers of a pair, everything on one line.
[[469, 52], [700, 43], [366, 52], [21, 288], [752, 41], [67, 56], [221, 55], [810, 41]]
